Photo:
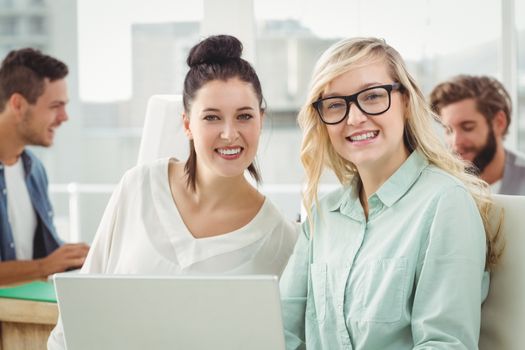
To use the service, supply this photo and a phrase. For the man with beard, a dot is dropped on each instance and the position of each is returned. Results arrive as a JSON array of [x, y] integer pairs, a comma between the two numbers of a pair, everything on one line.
[[476, 113], [33, 97]]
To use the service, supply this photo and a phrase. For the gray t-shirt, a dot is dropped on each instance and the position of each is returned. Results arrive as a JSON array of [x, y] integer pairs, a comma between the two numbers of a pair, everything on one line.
[[513, 181]]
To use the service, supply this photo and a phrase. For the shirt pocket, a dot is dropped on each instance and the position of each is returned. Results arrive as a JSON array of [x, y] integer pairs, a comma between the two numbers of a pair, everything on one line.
[[383, 290], [318, 275]]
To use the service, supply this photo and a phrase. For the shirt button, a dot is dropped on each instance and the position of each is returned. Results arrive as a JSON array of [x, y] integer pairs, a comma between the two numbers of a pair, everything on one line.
[[12, 245], [50, 213], [4, 191]]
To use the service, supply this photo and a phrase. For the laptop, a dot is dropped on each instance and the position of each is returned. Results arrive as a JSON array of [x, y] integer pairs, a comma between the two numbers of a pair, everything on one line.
[[176, 312]]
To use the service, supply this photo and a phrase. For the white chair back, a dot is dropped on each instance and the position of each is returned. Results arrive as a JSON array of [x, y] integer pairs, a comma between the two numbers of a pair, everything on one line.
[[503, 312], [163, 133]]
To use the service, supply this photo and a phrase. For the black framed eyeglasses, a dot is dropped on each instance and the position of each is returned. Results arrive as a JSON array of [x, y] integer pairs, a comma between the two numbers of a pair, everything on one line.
[[371, 101]]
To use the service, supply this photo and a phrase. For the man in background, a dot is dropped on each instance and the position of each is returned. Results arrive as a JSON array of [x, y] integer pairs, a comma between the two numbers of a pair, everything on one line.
[[33, 98], [476, 113]]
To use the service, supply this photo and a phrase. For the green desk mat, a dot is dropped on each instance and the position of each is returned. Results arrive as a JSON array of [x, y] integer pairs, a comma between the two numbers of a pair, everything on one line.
[[36, 291]]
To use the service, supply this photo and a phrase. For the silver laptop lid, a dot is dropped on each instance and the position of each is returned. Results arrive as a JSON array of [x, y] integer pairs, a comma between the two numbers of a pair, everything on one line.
[[153, 312]]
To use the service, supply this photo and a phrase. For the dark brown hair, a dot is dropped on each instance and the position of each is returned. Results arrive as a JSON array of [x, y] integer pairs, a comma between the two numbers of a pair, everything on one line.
[[488, 93], [217, 57], [24, 71]]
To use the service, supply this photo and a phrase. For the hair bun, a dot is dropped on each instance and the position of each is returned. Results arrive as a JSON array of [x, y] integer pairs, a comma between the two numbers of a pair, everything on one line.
[[215, 49]]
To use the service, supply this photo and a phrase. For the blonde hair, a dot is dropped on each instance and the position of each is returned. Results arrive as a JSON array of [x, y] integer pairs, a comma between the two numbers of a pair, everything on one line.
[[317, 151]]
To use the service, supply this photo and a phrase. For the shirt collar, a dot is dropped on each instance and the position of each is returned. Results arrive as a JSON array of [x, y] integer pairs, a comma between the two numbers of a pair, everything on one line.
[[27, 162], [400, 182], [344, 195], [390, 192]]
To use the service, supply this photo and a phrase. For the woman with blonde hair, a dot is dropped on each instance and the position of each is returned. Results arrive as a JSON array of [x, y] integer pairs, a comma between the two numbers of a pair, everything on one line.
[[398, 257]]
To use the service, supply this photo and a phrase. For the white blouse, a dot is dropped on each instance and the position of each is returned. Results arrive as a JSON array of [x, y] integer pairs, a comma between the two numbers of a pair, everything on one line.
[[142, 232]]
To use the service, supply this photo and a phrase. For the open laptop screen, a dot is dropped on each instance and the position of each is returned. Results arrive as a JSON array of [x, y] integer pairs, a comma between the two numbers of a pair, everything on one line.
[[183, 312]]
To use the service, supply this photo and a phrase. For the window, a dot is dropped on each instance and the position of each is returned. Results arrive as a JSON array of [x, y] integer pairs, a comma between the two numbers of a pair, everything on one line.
[[38, 3], [36, 25], [129, 52], [9, 26], [6, 4], [435, 41], [519, 114]]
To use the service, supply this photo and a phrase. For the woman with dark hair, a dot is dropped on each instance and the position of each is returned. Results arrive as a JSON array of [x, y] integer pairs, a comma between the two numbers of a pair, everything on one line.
[[202, 215]]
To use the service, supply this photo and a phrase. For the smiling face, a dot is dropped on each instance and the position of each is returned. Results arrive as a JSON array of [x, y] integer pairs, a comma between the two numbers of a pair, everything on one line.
[[225, 124], [371, 143], [469, 133], [40, 120]]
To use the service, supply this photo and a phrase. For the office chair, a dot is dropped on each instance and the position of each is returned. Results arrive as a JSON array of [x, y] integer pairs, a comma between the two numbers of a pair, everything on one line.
[[503, 312], [163, 133]]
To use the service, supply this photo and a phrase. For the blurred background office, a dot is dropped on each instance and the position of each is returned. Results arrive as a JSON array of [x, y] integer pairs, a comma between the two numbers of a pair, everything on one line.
[[121, 52]]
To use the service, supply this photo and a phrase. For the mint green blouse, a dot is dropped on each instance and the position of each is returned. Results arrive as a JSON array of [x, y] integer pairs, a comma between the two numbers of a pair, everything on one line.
[[411, 277]]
